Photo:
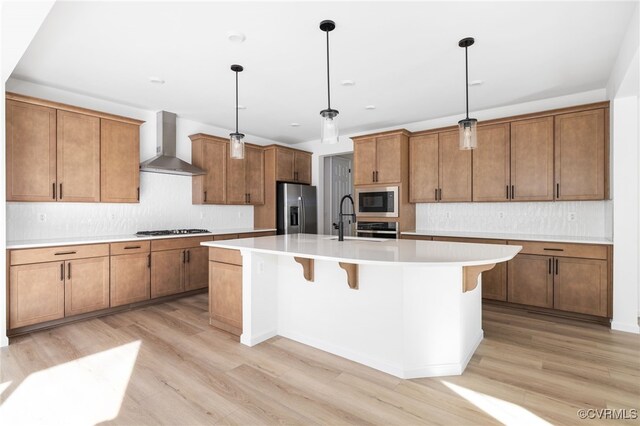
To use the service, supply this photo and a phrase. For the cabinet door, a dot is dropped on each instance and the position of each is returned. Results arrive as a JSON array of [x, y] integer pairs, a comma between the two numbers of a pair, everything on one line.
[[388, 159], [580, 155], [78, 157], [130, 278], [214, 162], [36, 293], [167, 272], [119, 162], [31, 152], [197, 268], [254, 174], [531, 280], [285, 165], [423, 168], [532, 159], [302, 167], [491, 163], [86, 285], [454, 169], [364, 161], [581, 285], [225, 296], [236, 188]]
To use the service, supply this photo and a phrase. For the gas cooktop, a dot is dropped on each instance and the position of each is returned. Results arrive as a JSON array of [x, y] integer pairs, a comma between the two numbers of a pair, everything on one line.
[[170, 232]]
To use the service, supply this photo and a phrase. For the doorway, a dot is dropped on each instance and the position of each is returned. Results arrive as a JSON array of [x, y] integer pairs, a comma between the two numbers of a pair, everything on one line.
[[338, 182]]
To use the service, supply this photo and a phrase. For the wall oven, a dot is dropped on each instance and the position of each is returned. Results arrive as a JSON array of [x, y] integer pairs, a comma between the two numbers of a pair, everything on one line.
[[377, 201], [377, 230]]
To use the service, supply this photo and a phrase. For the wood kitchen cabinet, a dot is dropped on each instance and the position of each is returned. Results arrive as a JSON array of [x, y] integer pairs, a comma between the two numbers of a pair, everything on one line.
[[119, 162], [78, 157], [491, 163], [245, 177], [130, 279], [532, 159], [531, 280], [225, 290], [36, 293], [31, 152], [167, 272], [55, 152], [210, 154], [581, 285], [293, 165], [581, 155], [196, 268], [438, 169], [378, 159], [86, 285]]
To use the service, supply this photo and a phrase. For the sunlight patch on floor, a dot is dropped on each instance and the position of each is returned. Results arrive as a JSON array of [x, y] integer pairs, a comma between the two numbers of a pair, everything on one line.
[[501, 410], [4, 386], [85, 391]]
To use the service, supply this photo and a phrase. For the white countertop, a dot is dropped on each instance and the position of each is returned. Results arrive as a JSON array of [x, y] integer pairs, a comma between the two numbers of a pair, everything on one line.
[[505, 236], [372, 251], [13, 245]]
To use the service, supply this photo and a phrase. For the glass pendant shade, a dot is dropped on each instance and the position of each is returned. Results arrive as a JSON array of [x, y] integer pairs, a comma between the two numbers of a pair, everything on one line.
[[236, 146], [468, 133], [329, 130]]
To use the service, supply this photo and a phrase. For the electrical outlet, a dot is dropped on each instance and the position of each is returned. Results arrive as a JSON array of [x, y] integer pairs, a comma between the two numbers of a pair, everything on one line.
[[260, 267], [42, 217], [448, 215], [240, 215], [112, 216], [571, 216], [501, 215], [201, 215]]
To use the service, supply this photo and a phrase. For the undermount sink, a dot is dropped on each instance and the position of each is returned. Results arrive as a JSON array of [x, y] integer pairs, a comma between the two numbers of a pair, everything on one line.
[[363, 239]]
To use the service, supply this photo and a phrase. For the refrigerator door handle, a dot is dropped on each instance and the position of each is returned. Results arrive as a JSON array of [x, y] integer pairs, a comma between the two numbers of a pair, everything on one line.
[[303, 221]]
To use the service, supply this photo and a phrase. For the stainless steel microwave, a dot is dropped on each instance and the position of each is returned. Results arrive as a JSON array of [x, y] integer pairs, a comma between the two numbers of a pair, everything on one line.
[[377, 201]]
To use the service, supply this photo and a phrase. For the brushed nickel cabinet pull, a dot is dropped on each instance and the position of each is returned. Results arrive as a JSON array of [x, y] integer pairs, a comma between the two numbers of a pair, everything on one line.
[[62, 253], [54, 190], [62, 272], [553, 249], [557, 267], [132, 247], [69, 271]]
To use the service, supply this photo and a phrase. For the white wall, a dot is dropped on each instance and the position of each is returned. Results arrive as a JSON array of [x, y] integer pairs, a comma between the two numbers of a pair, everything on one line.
[[593, 218], [623, 89], [165, 200]]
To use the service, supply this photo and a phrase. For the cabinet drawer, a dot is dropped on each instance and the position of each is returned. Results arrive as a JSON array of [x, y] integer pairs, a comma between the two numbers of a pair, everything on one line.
[[217, 254], [178, 243], [587, 251], [225, 237], [52, 254], [130, 247]]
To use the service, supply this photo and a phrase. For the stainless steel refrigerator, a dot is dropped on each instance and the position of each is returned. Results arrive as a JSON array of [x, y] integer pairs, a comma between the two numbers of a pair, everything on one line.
[[297, 209]]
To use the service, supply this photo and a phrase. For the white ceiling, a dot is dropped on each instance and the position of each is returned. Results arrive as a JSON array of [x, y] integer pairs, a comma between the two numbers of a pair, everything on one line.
[[403, 57]]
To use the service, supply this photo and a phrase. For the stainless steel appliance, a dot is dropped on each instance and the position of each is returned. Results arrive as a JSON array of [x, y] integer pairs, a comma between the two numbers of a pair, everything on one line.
[[377, 201], [297, 209], [171, 232], [377, 229]]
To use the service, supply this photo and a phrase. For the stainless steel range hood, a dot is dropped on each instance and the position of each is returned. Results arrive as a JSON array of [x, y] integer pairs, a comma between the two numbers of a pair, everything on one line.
[[166, 161]]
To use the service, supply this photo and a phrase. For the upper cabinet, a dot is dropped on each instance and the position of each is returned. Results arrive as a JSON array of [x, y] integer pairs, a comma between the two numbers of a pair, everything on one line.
[[378, 159], [438, 170], [62, 153], [292, 165], [581, 155], [227, 181], [553, 155]]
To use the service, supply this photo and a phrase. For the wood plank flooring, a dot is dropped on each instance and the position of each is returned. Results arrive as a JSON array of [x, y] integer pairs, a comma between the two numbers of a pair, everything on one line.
[[528, 370]]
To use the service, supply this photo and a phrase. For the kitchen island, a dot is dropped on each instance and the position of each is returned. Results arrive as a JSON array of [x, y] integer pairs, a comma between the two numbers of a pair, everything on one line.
[[408, 308]]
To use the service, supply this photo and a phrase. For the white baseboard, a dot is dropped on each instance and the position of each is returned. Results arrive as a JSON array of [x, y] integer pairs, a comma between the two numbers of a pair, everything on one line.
[[245, 339], [625, 326]]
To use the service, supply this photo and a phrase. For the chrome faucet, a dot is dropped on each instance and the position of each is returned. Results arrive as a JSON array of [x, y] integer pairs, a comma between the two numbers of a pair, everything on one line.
[[342, 215]]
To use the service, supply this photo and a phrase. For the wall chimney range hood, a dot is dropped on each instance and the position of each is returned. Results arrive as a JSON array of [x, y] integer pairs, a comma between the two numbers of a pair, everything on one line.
[[166, 161]]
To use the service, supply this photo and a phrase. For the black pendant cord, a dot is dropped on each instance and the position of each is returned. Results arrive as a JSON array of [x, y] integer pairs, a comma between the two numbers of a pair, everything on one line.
[[328, 79], [466, 78], [237, 102]]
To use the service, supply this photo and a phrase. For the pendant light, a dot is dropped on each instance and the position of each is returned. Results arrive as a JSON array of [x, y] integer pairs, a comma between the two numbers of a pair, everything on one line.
[[329, 123], [235, 139], [467, 126]]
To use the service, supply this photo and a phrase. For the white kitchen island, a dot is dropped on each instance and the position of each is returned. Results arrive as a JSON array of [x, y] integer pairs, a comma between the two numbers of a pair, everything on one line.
[[408, 308]]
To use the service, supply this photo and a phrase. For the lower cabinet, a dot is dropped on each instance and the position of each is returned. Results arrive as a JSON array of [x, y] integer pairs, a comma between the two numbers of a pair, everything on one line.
[[196, 268], [130, 278], [167, 272], [86, 285], [36, 293], [581, 285], [531, 280], [225, 290]]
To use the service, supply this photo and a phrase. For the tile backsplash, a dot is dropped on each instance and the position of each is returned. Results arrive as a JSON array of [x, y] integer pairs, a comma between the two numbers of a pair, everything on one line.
[[575, 218], [165, 203]]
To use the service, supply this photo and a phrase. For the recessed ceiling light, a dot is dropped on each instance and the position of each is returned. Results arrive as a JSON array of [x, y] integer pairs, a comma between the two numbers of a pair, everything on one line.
[[156, 80], [475, 83], [370, 107], [242, 107], [236, 37], [294, 124], [348, 83]]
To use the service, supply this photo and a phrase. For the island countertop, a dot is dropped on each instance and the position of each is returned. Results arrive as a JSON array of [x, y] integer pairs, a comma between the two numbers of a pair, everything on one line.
[[374, 251]]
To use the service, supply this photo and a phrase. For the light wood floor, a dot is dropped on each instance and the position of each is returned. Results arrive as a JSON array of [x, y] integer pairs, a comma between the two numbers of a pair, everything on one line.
[[529, 369]]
